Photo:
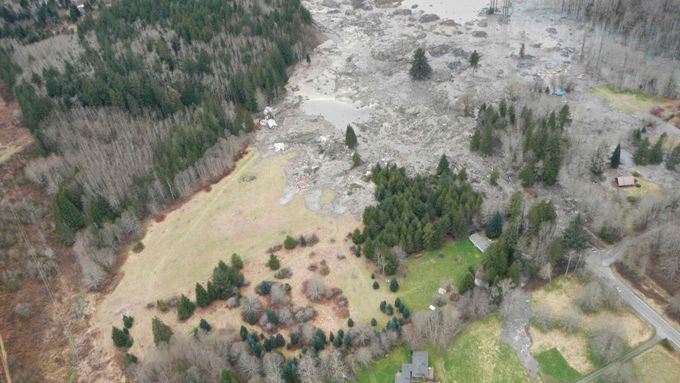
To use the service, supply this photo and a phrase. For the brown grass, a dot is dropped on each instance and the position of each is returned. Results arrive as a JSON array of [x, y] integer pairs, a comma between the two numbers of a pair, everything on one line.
[[657, 366], [573, 347], [244, 218]]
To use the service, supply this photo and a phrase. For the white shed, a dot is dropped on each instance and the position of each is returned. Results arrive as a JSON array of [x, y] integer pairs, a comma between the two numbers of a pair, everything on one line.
[[279, 147], [271, 123]]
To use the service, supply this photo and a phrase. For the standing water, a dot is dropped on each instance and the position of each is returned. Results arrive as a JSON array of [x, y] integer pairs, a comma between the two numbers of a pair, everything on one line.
[[460, 11]]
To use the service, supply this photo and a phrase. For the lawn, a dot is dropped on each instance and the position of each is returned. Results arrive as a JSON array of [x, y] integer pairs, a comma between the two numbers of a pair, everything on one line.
[[628, 100], [383, 370], [657, 366], [426, 274], [555, 368], [476, 355]]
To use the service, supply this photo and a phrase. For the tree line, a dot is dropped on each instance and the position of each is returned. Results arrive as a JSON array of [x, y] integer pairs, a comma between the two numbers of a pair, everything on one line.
[[415, 213], [543, 139]]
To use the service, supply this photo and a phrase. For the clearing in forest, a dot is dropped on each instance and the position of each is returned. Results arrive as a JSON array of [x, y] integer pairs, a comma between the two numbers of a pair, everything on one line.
[[628, 100], [434, 269], [476, 355], [240, 214]]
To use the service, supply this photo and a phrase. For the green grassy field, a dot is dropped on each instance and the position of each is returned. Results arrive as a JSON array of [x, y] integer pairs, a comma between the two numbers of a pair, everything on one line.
[[555, 368], [627, 100], [426, 274], [476, 355]]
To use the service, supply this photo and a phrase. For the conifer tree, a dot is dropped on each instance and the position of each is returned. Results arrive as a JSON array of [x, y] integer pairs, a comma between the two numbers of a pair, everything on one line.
[[185, 308], [128, 321], [494, 228], [443, 167], [673, 158], [641, 156], [120, 338], [474, 60], [656, 152], [357, 237], [420, 68], [236, 262], [615, 159], [350, 322], [467, 283], [521, 51], [564, 117], [350, 137], [273, 262], [394, 285], [202, 297], [161, 331]]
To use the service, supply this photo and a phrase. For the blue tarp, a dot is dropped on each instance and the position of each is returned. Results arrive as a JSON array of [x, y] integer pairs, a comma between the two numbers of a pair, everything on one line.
[[559, 93]]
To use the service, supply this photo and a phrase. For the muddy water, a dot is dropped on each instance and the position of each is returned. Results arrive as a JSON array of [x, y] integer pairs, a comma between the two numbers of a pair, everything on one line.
[[461, 11], [336, 112]]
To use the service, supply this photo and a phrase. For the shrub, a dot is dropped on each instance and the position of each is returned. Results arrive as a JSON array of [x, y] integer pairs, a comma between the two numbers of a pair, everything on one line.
[[138, 247], [161, 331], [394, 285], [374, 322], [389, 310], [350, 322], [273, 262], [283, 273], [290, 243], [185, 308], [129, 359], [128, 321], [357, 237], [263, 288], [376, 285], [383, 305], [162, 305], [204, 325]]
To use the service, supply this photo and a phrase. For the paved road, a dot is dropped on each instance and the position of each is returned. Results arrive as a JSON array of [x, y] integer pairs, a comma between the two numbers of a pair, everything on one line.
[[595, 375], [600, 264]]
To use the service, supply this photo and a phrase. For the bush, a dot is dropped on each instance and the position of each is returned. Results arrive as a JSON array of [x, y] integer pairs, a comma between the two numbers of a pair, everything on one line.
[[350, 322], [302, 241], [204, 325], [290, 243], [273, 262], [138, 247], [263, 288], [162, 305], [394, 285], [374, 322], [128, 321], [383, 305], [129, 359], [389, 310], [161, 331], [185, 308], [376, 285], [283, 273]]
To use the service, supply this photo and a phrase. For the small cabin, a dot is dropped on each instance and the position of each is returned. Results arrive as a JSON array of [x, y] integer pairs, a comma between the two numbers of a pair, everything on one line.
[[271, 123], [625, 182]]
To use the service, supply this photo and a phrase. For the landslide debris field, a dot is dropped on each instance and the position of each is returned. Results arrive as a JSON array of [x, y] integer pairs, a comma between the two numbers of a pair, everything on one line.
[[359, 75]]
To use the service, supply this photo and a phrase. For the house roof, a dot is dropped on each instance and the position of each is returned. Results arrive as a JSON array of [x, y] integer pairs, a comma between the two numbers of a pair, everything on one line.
[[418, 369], [625, 181], [271, 123]]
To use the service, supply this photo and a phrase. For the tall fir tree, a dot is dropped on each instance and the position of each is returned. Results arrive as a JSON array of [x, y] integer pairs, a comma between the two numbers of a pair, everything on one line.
[[350, 137], [474, 60], [494, 228], [202, 297], [420, 67], [443, 167], [615, 159], [161, 331]]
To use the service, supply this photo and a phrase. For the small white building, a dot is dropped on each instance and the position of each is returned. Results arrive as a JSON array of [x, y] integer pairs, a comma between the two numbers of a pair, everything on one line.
[[279, 147], [271, 123], [432, 308]]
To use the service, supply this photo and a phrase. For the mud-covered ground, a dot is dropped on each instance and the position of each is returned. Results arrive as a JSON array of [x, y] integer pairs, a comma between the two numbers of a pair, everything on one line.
[[359, 75]]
